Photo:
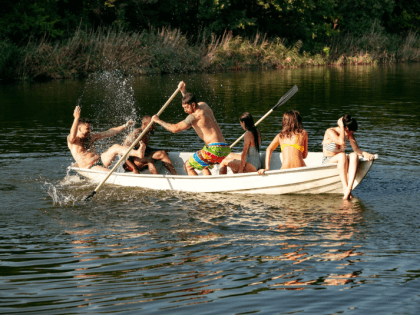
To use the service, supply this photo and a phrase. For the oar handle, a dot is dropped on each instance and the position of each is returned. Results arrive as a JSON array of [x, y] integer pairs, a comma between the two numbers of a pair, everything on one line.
[[122, 159], [281, 101]]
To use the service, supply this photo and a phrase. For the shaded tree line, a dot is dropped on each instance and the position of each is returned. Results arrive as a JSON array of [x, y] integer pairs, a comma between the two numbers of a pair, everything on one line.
[[311, 21]]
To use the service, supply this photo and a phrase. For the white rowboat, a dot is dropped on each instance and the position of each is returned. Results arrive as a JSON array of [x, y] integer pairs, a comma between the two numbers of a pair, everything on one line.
[[315, 178]]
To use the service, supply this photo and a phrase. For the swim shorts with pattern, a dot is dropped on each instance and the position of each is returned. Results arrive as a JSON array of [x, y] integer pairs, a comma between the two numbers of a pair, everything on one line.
[[212, 153]]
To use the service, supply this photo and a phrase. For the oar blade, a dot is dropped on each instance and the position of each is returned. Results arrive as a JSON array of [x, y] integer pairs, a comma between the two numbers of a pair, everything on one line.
[[89, 198], [286, 96]]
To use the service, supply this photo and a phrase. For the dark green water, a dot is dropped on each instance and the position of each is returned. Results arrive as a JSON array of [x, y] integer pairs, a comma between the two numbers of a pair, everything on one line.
[[132, 250]]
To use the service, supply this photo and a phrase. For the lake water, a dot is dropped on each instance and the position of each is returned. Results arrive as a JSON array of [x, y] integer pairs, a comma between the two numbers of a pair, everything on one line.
[[131, 250]]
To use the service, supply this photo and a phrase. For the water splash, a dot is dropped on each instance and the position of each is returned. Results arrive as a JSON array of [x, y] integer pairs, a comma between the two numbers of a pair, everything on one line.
[[108, 99], [58, 197], [59, 191]]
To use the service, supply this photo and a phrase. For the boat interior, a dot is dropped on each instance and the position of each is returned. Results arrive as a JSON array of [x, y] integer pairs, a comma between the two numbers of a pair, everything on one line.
[[179, 158]]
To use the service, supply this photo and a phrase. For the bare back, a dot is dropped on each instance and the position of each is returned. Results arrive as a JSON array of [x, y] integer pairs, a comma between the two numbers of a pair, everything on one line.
[[206, 125], [292, 148]]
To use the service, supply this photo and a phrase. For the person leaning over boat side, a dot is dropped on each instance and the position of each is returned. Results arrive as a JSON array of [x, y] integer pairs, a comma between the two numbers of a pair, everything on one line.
[[81, 142], [201, 118], [249, 160], [334, 146], [293, 141], [135, 164]]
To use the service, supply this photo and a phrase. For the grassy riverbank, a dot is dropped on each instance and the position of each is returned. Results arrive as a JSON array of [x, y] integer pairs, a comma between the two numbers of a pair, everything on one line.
[[169, 51]]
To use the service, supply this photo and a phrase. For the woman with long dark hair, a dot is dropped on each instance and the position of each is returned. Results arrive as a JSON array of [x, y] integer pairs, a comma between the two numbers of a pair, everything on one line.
[[334, 146], [293, 140], [249, 160]]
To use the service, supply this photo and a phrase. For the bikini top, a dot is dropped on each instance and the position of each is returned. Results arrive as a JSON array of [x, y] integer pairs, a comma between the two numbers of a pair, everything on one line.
[[335, 148], [300, 148]]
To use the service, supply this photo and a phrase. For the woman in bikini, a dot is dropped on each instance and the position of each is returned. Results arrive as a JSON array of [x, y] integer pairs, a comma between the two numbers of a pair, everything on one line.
[[334, 147], [249, 160], [293, 140]]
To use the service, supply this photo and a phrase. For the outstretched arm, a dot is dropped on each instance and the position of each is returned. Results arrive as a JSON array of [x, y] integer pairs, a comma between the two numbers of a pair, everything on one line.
[[174, 128], [73, 130], [112, 132], [270, 149], [358, 151]]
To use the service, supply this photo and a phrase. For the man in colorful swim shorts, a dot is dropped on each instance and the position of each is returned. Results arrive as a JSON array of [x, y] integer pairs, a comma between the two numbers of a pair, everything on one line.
[[201, 118]]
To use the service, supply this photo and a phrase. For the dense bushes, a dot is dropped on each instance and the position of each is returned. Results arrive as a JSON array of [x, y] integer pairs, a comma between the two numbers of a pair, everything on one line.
[[168, 51], [62, 39]]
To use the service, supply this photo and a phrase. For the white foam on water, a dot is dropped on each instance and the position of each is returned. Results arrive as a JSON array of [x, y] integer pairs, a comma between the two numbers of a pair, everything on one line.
[[59, 198]]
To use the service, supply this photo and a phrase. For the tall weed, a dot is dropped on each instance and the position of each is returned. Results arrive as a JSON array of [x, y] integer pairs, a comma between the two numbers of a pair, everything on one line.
[[168, 51]]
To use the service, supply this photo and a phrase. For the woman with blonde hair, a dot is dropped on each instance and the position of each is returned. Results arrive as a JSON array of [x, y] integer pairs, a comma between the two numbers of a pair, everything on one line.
[[293, 140], [249, 160], [334, 146]]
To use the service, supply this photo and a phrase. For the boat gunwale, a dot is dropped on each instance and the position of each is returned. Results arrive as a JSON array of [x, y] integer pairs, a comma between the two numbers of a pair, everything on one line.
[[216, 177]]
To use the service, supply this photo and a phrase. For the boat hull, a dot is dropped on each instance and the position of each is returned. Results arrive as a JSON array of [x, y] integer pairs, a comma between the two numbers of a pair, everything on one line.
[[312, 179]]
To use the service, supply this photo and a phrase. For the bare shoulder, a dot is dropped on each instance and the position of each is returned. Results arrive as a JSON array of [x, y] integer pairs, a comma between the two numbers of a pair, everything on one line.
[[331, 132], [191, 118], [72, 140], [204, 106], [248, 135]]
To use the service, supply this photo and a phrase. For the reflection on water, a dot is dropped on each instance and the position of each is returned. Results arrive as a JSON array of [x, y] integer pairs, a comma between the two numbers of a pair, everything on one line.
[[132, 250]]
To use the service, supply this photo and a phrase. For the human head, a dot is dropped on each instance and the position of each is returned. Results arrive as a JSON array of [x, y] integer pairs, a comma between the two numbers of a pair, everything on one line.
[[292, 123], [189, 98], [248, 123], [145, 121], [84, 126], [350, 123], [189, 103], [248, 120]]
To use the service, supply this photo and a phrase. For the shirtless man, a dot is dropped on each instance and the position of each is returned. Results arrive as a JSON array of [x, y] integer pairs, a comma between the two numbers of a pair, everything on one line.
[[201, 118], [136, 164], [81, 142]]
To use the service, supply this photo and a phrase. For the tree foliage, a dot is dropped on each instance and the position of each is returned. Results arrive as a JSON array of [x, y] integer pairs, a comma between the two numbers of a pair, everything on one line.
[[311, 21]]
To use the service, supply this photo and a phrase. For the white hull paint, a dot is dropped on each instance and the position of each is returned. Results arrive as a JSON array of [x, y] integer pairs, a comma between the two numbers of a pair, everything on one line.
[[315, 178]]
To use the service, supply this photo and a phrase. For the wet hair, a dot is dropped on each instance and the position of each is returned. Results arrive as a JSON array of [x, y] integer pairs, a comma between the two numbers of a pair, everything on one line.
[[189, 98], [248, 121], [292, 124], [84, 120], [350, 122]]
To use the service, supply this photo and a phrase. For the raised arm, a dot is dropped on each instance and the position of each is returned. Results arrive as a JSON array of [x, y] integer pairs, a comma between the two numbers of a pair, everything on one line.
[[182, 87], [73, 130], [175, 128], [333, 136], [112, 132], [270, 149]]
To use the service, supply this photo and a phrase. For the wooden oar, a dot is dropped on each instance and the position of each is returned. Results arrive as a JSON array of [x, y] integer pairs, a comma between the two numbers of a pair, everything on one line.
[[282, 100], [122, 159]]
